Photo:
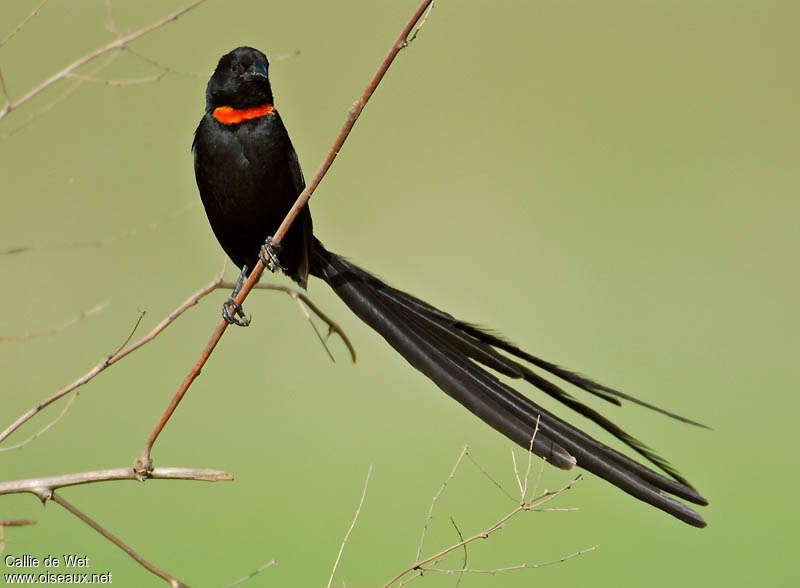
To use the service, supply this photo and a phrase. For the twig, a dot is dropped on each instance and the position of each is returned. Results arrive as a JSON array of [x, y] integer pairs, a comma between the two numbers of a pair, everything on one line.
[[436, 496], [4, 90], [530, 460], [524, 506], [132, 333], [110, 23], [63, 96], [45, 486], [301, 298], [192, 300], [167, 68], [17, 523], [524, 566], [419, 26], [171, 580], [151, 226], [52, 330], [252, 574], [143, 463], [47, 427], [516, 473], [352, 525], [25, 20], [112, 46], [490, 478], [121, 82], [460, 538]]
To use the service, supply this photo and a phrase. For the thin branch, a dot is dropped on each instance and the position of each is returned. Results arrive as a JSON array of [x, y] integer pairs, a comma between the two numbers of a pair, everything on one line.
[[167, 68], [352, 526], [45, 486], [516, 473], [52, 330], [112, 359], [143, 463], [19, 27], [490, 478], [530, 459], [5, 91], [171, 580], [524, 566], [419, 26], [47, 427], [112, 46], [252, 574], [132, 333], [533, 504], [63, 96], [436, 496], [460, 538], [17, 523], [110, 23], [134, 232], [119, 82], [216, 283], [296, 295]]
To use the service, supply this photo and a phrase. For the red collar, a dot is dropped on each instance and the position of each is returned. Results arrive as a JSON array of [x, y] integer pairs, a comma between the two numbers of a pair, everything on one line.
[[228, 115]]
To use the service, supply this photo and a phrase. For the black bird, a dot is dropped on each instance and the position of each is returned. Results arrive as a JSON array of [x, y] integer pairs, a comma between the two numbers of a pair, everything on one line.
[[249, 176]]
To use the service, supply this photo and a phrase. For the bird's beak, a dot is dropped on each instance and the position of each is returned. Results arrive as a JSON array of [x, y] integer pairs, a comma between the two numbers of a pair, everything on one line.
[[257, 70]]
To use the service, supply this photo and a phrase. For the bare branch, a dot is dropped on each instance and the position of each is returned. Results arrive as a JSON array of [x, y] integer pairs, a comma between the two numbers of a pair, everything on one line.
[[112, 359], [460, 538], [490, 478], [126, 349], [110, 23], [299, 297], [524, 566], [19, 27], [47, 427], [113, 46], [63, 96], [352, 526], [17, 523], [252, 574], [143, 462], [121, 82], [171, 580], [530, 459], [436, 496], [134, 232], [420, 565], [52, 330], [44, 487], [167, 68]]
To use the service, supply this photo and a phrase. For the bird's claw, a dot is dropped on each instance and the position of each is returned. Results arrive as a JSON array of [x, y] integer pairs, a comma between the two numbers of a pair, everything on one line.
[[268, 255], [231, 317]]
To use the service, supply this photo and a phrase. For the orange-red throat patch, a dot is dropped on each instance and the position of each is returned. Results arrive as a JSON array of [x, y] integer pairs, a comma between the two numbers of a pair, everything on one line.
[[228, 115]]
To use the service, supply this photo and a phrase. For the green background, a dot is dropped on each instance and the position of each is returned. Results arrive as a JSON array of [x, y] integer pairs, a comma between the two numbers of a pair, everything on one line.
[[612, 185]]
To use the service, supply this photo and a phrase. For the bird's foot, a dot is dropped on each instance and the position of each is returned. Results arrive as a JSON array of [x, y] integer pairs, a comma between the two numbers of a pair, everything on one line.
[[236, 316], [268, 254]]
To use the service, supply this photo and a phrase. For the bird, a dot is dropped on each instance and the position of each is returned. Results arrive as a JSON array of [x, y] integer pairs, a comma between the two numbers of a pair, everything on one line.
[[248, 175]]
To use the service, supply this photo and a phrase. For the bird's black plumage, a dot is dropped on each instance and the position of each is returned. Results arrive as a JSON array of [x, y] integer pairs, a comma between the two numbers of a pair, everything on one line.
[[248, 175]]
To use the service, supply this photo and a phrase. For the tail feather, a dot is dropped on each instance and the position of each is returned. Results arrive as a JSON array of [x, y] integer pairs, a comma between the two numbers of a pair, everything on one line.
[[446, 351]]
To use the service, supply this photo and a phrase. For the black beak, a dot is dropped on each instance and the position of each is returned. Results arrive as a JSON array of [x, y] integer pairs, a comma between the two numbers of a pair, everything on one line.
[[257, 70]]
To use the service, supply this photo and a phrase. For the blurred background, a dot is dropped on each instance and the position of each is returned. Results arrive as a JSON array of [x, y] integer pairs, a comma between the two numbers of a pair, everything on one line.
[[611, 185]]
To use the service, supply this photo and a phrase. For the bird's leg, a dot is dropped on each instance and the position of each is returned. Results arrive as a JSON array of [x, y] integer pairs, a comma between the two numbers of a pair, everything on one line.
[[230, 317], [268, 254]]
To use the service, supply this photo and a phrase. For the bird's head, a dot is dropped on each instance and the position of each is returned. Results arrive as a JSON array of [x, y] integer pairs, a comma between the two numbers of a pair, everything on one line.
[[240, 80]]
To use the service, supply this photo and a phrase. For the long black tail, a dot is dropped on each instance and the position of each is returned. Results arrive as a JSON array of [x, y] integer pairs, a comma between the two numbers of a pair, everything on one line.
[[455, 354]]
